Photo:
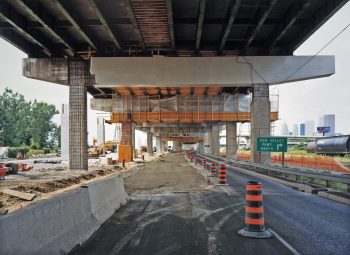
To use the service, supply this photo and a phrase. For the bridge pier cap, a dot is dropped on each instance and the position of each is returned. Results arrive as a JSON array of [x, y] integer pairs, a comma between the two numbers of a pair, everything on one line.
[[205, 71]]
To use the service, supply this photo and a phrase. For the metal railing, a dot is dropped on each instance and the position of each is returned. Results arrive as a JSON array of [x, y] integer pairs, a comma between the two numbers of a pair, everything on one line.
[[310, 176]]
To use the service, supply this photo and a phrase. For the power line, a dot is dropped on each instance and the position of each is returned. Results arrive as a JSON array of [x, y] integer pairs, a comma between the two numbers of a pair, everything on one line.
[[328, 43]]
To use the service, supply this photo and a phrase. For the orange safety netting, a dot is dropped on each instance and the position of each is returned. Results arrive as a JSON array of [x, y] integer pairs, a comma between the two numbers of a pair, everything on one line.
[[317, 162]]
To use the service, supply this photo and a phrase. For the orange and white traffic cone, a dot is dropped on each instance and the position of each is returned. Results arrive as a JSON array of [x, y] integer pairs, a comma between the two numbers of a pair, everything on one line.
[[254, 213]]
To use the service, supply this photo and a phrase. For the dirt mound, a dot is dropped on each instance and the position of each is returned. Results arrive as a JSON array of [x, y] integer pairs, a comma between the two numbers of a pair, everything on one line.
[[45, 183]]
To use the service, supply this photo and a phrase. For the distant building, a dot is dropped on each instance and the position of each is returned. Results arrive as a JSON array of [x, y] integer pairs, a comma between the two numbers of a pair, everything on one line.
[[295, 130], [327, 120], [309, 128], [284, 130], [302, 129]]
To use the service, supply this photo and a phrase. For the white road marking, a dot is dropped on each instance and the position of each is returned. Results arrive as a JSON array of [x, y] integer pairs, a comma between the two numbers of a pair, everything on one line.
[[285, 243]]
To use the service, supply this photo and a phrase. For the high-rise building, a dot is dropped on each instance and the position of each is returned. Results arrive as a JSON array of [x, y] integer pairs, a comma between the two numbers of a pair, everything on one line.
[[295, 130], [302, 129], [327, 120], [309, 128], [284, 130]]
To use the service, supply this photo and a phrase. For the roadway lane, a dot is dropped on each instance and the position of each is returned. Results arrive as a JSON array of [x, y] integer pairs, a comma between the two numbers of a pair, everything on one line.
[[207, 223], [309, 223], [179, 223]]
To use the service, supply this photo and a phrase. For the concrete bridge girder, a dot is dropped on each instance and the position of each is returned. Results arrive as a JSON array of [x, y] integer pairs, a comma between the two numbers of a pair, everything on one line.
[[206, 71]]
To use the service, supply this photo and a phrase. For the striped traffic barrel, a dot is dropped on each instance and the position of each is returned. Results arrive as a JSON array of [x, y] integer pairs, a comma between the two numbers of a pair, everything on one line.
[[222, 175], [204, 163], [254, 213], [212, 169]]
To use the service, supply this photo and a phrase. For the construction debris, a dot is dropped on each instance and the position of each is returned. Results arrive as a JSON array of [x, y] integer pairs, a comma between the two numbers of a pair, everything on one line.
[[47, 161], [21, 195]]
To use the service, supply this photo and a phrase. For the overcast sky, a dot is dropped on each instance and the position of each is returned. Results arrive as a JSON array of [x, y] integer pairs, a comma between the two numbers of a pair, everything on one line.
[[299, 101]]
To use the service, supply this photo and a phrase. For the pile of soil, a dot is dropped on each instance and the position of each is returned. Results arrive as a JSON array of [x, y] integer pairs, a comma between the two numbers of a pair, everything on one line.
[[46, 183]]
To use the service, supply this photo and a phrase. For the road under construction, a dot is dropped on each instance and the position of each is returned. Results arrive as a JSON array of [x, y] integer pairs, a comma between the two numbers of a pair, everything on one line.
[[177, 70]]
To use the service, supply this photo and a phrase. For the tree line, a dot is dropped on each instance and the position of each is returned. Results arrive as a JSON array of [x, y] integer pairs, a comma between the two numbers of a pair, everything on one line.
[[27, 123]]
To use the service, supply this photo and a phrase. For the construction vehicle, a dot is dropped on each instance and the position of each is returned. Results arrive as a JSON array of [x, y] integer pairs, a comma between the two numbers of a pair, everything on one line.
[[12, 168], [101, 149]]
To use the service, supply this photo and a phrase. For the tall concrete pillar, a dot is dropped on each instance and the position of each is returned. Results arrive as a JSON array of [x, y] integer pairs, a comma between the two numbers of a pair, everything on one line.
[[150, 143], [260, 121], [215, 140], [177, 146], [231, 140], [201, 147], [100, 130], [159, 144], [79, 78], [65, 132], [133, 147], [208, 149]]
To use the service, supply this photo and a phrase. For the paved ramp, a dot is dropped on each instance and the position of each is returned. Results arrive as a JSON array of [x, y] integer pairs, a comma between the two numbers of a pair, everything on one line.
[[179, 223]]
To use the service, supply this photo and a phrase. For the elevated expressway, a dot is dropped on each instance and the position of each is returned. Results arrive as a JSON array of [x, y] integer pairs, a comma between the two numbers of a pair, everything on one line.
[[133, 56]]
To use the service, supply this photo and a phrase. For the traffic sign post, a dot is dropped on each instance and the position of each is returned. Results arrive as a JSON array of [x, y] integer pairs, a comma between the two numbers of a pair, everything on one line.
[[272, 144]]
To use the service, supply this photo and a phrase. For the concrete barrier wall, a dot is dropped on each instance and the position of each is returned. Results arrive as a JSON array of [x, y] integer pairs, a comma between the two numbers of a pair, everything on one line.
[[57, 225], [106, 196]]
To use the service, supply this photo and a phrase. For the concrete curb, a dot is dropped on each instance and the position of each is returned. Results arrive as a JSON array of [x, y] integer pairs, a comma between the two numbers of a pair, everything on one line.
[[333, 197], [57, 225]]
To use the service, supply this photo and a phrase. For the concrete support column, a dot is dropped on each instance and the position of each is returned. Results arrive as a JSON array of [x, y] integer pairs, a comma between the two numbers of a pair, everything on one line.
[[215, 140], [65, 132], [178, 146], [100, 130], [208, 149], [79, 78], [260, 121], [150, 143], [165, 146], [201, 147], [231, 140], [159, 145], [133, 147]]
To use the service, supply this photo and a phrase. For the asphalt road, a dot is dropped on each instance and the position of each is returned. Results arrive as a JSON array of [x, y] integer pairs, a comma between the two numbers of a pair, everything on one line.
[[207, 223]]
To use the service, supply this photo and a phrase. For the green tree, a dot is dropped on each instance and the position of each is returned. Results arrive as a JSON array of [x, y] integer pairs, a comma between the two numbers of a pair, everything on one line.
[[26, 123]]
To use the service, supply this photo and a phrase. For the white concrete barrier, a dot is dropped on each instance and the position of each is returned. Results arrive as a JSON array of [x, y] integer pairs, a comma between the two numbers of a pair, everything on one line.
[[57, 225], [106, 196]]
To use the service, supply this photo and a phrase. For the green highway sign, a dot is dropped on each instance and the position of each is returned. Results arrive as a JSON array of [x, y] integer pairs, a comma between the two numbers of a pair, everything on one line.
[[273, 144]]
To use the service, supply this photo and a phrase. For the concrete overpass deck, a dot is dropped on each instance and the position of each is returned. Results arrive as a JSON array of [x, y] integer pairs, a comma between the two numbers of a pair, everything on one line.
[[207, 222]]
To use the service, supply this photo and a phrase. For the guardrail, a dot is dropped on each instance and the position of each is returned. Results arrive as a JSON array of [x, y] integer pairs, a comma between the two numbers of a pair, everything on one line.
[[309, 175]]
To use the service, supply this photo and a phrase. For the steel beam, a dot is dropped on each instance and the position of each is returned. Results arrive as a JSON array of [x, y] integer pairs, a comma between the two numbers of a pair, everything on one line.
[[62, 6], [18, 22], [201, 11], [19, 42], [134, 23], [260, 23], [169, 8], [105, 24], [229, 23], [298, 11], [46, 22], [317, 20]]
